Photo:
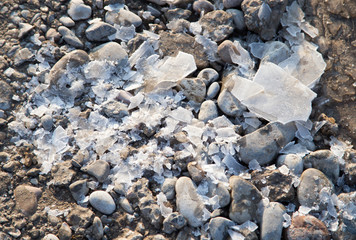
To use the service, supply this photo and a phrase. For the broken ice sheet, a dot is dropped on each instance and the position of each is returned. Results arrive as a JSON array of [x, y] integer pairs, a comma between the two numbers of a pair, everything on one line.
[[243, 59], [284, 98], [273, 51]]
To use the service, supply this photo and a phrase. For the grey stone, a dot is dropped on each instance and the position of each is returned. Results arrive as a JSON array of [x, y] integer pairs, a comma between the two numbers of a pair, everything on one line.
[[208, 111], [201, 6], [25, 28], [325, 161], [350, 173], [78, 10], [151, 211], [50, 237], [102, 201], [53, 35], [232, 3], [225, 49], [47, 122], [195, 171], [6, 94], [193, 88], [26, 198], [174, 222], [99, 169], [217, 25], [218, 228], [208, 75], [265, 143], [111, 51], [79, 189], [138, 190], [228, 104], [238, 17], [347, 225], [67, 21], [124, 203], [62, 174], [168, 188], [177, 13], [23, 55], [115, 110], [312, 182], [127, 17], [272, 221], [293, 161], [70, 37], [213, 90], [97, 229], [221, 191], [188, 201], [245, 200], [267, 25], [80, 217], [64, 232], [5, 180], [99, 31]]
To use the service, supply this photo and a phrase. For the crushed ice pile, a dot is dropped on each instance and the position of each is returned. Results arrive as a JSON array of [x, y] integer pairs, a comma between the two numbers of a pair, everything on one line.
[[110, 104]]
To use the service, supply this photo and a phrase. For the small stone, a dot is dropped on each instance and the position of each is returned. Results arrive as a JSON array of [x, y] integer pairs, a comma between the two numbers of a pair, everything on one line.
[[217, 25], [79, 189], [53, 35], [193, 89], [203, 6], [25, 28], [47, 122], [115, 109], [208, 75], [312, 182], [67, 21], [5, 180], [208, 111], [245, 200], [325, 161], [126, 17], [99, 169], [218, 228], [272, 221], [177, 13], [64, 232], [350, 173], [80, 217], [97, 229], [232, 3], [70, 37], [228, 104], [238, 17], [213, 90], [6, 94], [62, 174], [225, 49], [22, 56], [124, 203], [103, 202], [151, 211], [264, 144], [99, 31], [173, 222], [78, 10], [293, 161], [111, 51], [50, 237], [307, 227], [188, 202], [221, 191], [195, 171], [168, 188], [26, 198]]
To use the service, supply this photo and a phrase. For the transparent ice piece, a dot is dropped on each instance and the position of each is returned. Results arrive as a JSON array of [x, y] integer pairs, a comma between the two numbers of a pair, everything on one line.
[[136, 100], [182, 114]]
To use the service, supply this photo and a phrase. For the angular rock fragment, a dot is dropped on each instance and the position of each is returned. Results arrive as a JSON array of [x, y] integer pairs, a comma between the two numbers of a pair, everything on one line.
[[6, 94], [218, 228], [217, 25], [99, 169], [99, 31], [307, 227], [174, 222], [70, 37], [26, 198], [80, 217], [193, 89]]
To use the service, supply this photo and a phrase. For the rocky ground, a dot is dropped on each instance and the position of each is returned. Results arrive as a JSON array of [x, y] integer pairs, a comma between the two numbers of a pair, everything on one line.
[[275, 195]]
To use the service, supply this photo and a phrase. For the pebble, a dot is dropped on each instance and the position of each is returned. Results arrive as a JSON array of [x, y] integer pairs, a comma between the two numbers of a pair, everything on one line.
[[26, 198], [229, 105], [103, 202], [53, 35], [188, 201], [25, 28], [213, 90], [218, 228], [125, 204], [79, 189], [238, 17], [6, 94], [325, 161], [195, 171], [203, 6], [208, 75], [128, 17], [272, 221], [47, 122], [5, 180], [293, 161], [232, 3], [312, 182], [97, 229], [265, 143], [67, 21], [22, 56], [168, 188], [111, 51], [62, 174], [208, 111], [225, 49], [70, 37], [99, 31], [174, 222], [217, 25], [50, 237], [150, 210], [64, 232], [100, 169], [221, 191], [78, 10], [307, 227], [80, 216], [177, 13], [245, 200], [193, 88]]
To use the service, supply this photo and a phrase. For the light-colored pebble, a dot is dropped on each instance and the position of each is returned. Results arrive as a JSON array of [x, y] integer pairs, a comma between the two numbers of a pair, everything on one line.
[[102, 201], [208, 111]]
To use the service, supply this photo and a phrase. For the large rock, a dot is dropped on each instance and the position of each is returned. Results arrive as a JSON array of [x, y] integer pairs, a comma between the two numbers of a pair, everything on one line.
[[272, 221], [217, 25], [245, 200], [265, 143], [188, 202], [263, 17]]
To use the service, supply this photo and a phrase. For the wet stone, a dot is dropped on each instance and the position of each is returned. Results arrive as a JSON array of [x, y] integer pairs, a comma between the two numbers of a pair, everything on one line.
[[79, 189], [225, 49], [245, 199], [208, 75], [26, 198], [127, 18], [307, 227], [221, 191], [47, 122], [195, 171], [99, 31], [80, 217], [217, 25], [208, 111], [125, 204], [218, 228], [151, 211], [103, 202], [99, 169], [232, 3], [70, 37], [174, 222], [25, 28], [272, 221], [53, 35]]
